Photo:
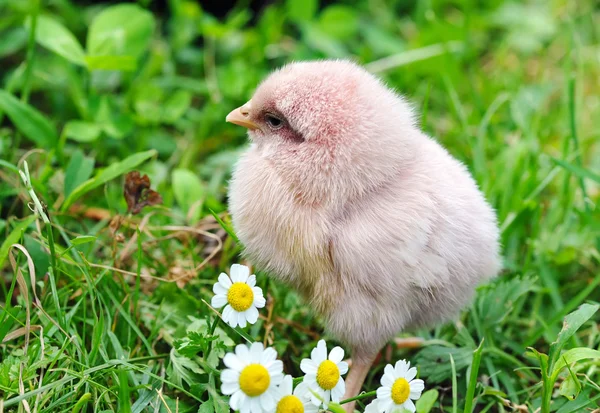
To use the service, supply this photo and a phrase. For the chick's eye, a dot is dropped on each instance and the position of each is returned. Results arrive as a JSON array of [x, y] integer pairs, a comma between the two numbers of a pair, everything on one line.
[[273, 121]]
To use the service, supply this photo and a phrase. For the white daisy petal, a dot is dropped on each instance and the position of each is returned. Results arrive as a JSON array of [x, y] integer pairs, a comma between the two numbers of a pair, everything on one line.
[[308, 366], [301, 389], [243, 352], [219, 288], [226, 315], [233, 362], [259, 299], [267, 402], [239, 273], [311, 380], [233, 273], [417, 386], [268, 355], [275, 367], [319, 353], [255, 405], [276, 378], [336, 354], [230, 376], [387, 379], [236, 398], [287, 385], [229, 388], [251, 315], [218, 300], [372, 407], [384, 392], [401, 368], [326, 398], [256, 350], [389, 370], [251, 281], [411, 374], [245, 407], [224, 280], [232, 316], [309, 407], [384, 404], [343, 367], [409, 405], [315, 400], [338, 391], [241, 320]]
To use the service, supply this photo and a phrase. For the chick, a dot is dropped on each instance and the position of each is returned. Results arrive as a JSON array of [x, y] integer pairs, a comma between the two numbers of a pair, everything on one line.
[[341, 196]]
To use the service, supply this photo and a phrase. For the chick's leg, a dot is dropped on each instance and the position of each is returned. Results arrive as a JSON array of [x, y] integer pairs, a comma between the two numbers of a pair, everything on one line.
[[356, 377]]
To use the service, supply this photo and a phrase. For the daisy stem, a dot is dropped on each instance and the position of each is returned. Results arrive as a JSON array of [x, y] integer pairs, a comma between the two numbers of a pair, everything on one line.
[[360, 397], [211, 331]]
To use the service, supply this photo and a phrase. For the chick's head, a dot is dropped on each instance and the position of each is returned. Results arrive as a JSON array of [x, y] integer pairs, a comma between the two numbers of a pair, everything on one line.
[[329, 128]]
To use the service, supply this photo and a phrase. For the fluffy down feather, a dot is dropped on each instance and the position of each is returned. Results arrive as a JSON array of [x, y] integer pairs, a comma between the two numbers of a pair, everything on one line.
[[374, 222]]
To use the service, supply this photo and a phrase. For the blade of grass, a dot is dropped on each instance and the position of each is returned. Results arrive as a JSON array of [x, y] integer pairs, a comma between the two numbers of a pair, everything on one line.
[[469, 405]]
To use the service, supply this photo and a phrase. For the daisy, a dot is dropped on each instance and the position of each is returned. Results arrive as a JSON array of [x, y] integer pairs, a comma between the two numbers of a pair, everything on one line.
[[240, 294], [372, 407], [296, 402], [399, 388], [251, 378], [324, 374]]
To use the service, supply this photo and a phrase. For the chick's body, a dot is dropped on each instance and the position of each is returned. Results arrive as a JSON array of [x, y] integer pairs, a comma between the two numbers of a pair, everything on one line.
[[375, 223]]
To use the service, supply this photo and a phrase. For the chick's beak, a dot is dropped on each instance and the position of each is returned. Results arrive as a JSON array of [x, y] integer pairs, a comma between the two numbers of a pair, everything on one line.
[[240, 116]]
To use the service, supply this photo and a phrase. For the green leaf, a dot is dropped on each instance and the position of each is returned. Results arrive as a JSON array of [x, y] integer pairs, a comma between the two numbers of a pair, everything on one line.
[[111, 62], [570, 387], [83, 400], [571, 324], [301, 10], [176, 106], [578, 171], [124, 391], [55, 37], [28, 120], [434, 361], [12, 41], [182, 369], [82, 131], [83, 239], [108, 174], [335, 408], [113, 121], [573, 356], [473, 378], [315, 39], [79, 170], [188, 190], [124, 29], [14, 237], [227, 227], [496, 301], [9, 166], [578, 405], [427, 400], [339, 21]]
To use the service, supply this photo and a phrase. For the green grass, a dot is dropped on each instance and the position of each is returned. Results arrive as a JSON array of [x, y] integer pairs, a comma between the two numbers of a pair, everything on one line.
[[102, 310]]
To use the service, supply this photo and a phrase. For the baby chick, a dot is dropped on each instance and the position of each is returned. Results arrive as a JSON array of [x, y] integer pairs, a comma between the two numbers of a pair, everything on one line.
[[341, 196]]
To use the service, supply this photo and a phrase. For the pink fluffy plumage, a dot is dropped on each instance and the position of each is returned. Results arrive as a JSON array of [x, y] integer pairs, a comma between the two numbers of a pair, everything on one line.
[[344, 198]]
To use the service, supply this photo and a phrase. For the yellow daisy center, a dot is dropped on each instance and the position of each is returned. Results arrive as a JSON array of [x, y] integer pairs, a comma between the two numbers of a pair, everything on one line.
[[254, 380], [290, 404], [400, 391], [328, 375], [240, 296]]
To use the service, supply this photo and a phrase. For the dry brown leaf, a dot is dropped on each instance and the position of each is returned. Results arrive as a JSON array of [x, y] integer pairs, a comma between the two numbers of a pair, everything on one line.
[[138, 193]]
